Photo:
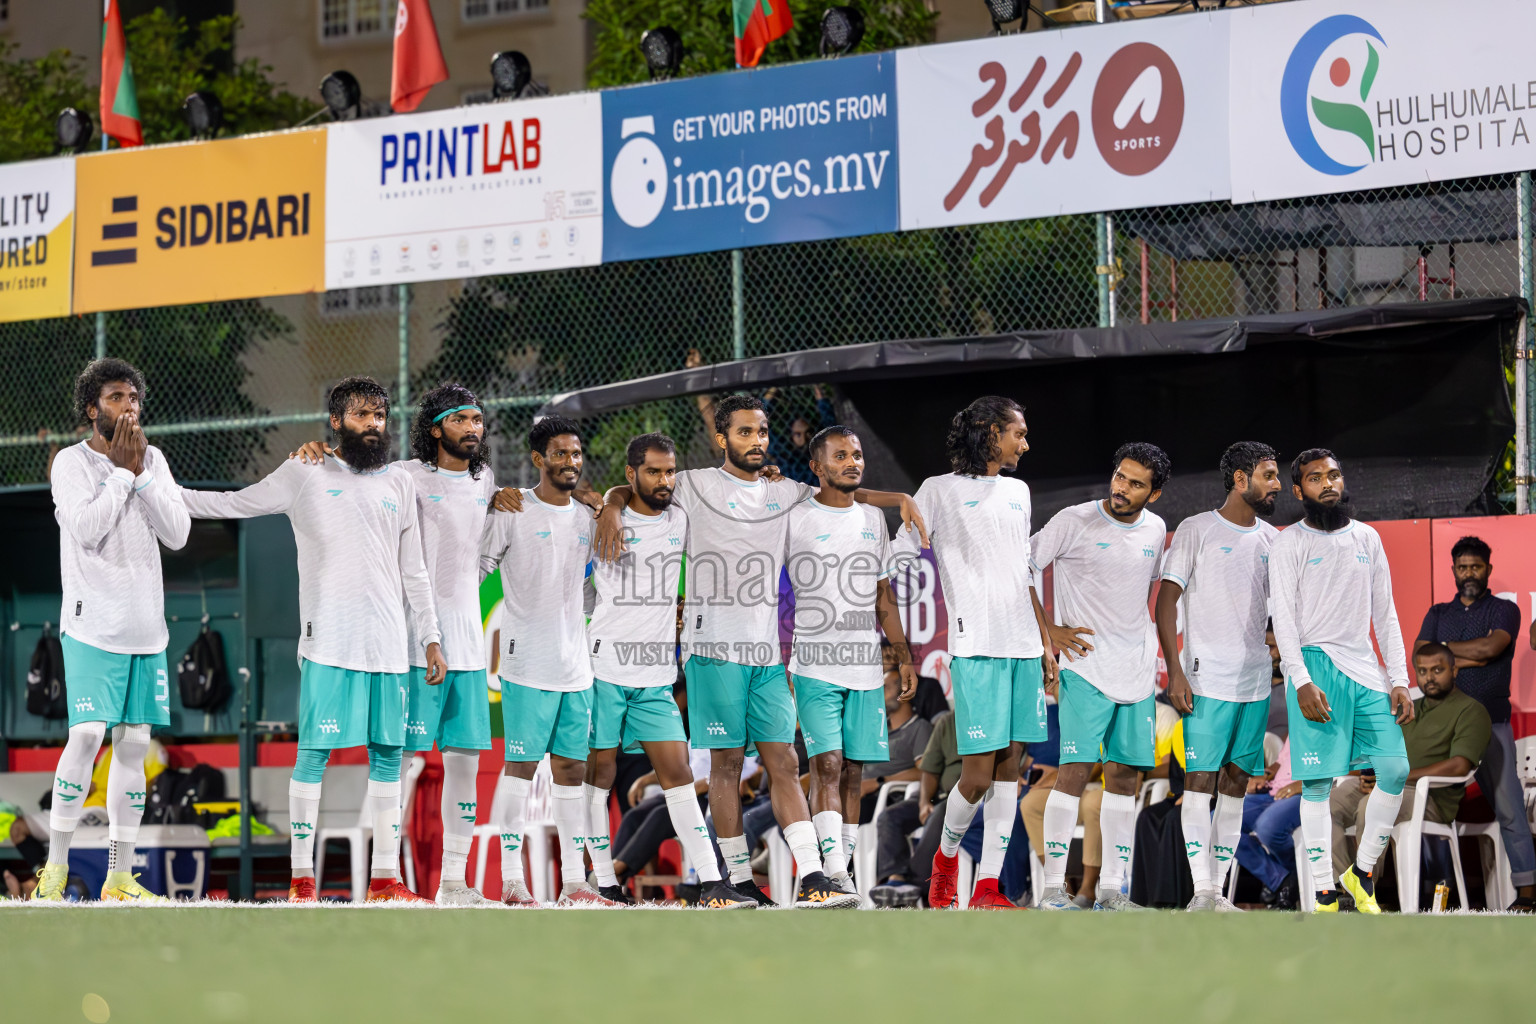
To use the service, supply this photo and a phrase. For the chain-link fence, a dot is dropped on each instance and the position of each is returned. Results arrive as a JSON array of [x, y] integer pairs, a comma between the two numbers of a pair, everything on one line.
[[235, 386]]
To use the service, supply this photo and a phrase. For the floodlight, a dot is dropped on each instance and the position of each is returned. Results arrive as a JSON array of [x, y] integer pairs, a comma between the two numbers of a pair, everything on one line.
[[663, 49], [342, 95], [203, 113], [842, 27], [72, 130], [510, 74]]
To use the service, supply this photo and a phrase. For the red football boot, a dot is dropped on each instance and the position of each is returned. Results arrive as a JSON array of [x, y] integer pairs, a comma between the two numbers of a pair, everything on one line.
[[392, 890], [302, 890], [987, 896], [941, 885]]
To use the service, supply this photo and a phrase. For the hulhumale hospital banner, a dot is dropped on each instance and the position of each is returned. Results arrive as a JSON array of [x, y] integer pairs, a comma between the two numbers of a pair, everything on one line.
[[37, 235], [1072, 121], [1331, 96], [494, 188], [751, 158]]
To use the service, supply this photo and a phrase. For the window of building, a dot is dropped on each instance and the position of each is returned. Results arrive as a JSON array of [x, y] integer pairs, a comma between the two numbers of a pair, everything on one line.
[[368, 299], [355, 19], [482, 10]]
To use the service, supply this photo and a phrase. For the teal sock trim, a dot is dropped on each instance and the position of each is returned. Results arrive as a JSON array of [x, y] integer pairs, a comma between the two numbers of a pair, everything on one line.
[[1391, 774], [310, 765], [1316, 790], [384, 763]]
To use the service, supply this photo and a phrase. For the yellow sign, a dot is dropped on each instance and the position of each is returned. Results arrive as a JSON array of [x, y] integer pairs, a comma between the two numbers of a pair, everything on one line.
[[201, 222], [37, 229]]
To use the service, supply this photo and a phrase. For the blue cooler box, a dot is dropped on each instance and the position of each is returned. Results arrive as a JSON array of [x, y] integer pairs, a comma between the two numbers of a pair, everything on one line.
[[170, 860]]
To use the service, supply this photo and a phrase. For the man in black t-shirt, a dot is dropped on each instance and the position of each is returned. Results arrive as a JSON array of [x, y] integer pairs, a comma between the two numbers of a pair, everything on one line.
[[1480, 628]]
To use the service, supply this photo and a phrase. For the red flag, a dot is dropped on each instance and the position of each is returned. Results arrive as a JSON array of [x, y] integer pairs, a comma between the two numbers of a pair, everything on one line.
[[419, 61], [119, 99], [758, 23]]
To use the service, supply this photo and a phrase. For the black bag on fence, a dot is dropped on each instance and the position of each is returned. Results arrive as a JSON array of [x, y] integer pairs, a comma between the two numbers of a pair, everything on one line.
[[45, 679], [201, 674]]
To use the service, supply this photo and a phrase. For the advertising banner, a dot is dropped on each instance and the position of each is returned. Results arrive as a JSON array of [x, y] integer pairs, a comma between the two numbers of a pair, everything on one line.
[[1072, 121], [495, 188], [751, 158], [1331, 96], [200, 222], [37, 235]]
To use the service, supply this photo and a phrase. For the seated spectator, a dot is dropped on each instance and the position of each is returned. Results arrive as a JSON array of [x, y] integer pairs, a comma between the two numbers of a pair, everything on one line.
[[908, 738], [1271, 814], [902, 869], [1447, 737], [1032, 808], [20, 882]]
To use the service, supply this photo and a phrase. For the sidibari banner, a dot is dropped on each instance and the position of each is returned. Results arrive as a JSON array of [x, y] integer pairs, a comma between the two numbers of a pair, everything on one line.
[[200, 221], [1335, 96], [495, 188], [1071, 121], [751, 158], [37, 235]]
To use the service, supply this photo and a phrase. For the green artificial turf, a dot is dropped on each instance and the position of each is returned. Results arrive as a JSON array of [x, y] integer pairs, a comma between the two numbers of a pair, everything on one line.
[[822, 967]]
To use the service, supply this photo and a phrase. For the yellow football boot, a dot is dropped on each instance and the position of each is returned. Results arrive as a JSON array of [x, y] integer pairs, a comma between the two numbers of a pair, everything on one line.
[[51, 883], [1365, 900], [122, 887]]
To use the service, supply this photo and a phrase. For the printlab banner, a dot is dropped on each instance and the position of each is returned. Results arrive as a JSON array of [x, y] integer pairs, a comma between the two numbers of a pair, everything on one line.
[[37, 235], [1330, 96], [1073, 121], [751, 158], [495, 188]]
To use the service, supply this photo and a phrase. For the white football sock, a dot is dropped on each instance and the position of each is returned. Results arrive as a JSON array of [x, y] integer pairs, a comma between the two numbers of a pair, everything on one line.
[[71, 783], [383, 802], [514, 810], [1195, 817], [1380, 815], [850, 839], [692, 834], [1226, 831], [1317, 833], [997, 813], [1060, 820], [1117, 822], [303, 820], [461, 769], [829, 838], [801, 837], [126, 788], [958, 815], [570, 814], [119, 856], [738, 860], [599, 844]]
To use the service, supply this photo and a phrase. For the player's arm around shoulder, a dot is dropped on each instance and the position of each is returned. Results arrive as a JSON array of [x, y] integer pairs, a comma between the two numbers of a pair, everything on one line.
[[157, 488]]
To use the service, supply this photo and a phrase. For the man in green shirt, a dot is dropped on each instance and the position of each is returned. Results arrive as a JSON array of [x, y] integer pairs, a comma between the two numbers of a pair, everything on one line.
[[903, 872], [1447, 736]]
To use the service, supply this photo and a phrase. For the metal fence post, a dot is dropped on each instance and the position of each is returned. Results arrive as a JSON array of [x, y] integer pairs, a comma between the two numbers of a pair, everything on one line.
[[1525, 366], [738, 317], [403, 387], [1105, 264], [101, 318]]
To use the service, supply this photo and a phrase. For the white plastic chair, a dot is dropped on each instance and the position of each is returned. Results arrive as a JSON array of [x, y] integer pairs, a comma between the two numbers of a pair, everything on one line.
[[538, 829], [1498, 891], [413, 772], [1408, 846], [866, 854], [1152, 791], [782, 879], [965, 880], [343, 798]]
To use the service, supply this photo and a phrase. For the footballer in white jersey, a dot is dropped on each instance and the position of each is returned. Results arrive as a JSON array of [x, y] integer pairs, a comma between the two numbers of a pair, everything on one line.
[[633, 637], [738, 692], [978, 519], [1106, 557], [1217, 572], [839, 561], [1330, 589], [116, 505]]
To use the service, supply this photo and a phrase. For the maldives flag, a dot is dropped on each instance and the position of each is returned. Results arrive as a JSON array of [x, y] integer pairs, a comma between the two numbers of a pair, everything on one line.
[[758, 23], [119, 100], [418, 56]]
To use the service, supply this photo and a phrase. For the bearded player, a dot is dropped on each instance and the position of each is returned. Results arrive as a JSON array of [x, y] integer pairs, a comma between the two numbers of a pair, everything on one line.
[[364, 598], [1331, 587], [1218, 564]]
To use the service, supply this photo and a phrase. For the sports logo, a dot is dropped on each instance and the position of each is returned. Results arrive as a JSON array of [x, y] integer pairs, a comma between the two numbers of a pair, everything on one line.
[[1348, 79], [1138, 108]]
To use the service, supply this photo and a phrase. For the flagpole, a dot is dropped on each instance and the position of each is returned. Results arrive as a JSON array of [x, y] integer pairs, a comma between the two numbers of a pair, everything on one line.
[[101, 318]]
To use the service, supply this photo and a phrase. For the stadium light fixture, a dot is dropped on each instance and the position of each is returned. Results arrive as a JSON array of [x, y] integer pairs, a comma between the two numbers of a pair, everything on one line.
[[1006, 11], [511, 74], [342, 95], [72, 130], [663, 49], [842, 28], [203, 113]]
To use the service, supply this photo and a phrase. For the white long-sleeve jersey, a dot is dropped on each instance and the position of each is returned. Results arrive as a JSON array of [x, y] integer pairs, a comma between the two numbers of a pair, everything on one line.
[[109, 524], [1328, 590], [453, 509], [360, 562]]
